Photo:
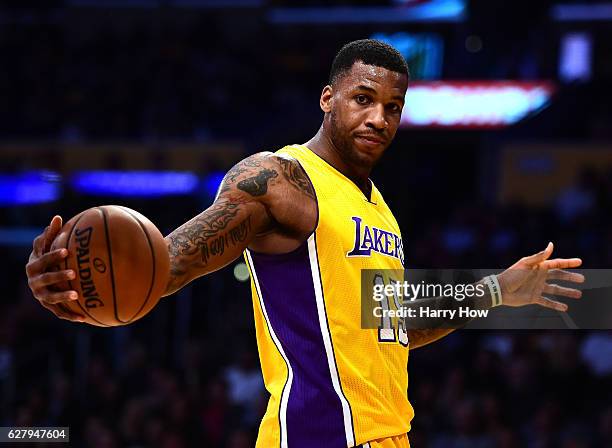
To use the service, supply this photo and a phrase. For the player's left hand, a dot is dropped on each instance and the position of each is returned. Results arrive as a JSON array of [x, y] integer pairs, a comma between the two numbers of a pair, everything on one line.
[[525, 282]]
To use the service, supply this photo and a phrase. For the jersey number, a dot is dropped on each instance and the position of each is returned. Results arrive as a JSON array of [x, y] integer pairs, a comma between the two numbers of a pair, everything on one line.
[[386, 330]]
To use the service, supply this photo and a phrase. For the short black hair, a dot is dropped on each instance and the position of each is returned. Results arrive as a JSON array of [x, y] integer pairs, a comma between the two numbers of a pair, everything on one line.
[[370, 52]]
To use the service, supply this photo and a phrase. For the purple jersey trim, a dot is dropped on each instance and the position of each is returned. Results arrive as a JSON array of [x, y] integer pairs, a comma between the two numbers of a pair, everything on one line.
[[314, 410]]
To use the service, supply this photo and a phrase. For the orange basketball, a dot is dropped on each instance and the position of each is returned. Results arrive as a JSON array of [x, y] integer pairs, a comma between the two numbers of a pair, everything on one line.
[[121, 263]]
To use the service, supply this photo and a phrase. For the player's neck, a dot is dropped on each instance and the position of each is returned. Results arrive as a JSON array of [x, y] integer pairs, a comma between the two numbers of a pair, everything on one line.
[[322, 146]]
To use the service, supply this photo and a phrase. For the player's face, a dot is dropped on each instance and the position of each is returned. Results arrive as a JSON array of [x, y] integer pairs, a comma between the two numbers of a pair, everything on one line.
[[365, 109]]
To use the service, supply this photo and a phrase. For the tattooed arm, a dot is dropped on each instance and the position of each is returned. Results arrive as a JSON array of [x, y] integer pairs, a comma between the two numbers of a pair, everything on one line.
[[257, 196]]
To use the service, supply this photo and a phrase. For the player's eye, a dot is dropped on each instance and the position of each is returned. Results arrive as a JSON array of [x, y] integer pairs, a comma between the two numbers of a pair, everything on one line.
[[395, 108], [362, 99]]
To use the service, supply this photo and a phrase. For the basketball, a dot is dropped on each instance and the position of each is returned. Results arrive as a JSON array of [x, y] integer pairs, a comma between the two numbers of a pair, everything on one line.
[[121, 263]]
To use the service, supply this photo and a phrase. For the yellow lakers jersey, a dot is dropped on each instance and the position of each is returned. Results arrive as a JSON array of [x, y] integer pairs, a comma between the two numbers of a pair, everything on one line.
[[332, 383]]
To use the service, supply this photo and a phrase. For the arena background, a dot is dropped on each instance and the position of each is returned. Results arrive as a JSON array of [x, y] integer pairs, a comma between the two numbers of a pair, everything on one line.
[[146, 103]]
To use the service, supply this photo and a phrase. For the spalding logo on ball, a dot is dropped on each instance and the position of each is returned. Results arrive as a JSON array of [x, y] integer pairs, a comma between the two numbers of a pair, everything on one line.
[[121, 263]]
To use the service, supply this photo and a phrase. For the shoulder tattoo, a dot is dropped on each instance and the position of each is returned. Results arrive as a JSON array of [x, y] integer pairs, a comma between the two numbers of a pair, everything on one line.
[[296, 176], [254, 174]]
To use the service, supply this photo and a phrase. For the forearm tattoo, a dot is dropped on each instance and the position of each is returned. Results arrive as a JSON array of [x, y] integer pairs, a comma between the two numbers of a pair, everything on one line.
[[210, 234]]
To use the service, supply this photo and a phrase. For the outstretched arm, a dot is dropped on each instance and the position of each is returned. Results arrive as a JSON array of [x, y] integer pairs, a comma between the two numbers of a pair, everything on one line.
[[524, 283], [256, 196]]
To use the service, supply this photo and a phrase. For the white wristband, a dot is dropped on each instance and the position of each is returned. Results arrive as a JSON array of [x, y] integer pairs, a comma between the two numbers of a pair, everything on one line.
[[496, 296]]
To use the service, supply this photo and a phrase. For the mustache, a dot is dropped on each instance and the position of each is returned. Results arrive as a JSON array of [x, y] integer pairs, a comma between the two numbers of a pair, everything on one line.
[[373, 136]]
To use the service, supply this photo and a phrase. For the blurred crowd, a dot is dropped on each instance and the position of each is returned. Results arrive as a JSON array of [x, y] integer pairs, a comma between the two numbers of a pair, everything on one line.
[[79, 73], [512, 390], [578, 221], [115, 77]]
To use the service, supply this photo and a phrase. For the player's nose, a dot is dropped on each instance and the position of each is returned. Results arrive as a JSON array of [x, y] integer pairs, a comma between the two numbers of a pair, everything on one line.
[[376, 118]]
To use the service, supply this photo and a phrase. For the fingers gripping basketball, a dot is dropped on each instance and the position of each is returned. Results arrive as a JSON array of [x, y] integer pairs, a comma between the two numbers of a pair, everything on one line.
[[121, 263]]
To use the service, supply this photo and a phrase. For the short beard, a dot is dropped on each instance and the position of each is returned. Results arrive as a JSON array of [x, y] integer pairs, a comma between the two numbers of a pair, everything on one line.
[[344, 144]]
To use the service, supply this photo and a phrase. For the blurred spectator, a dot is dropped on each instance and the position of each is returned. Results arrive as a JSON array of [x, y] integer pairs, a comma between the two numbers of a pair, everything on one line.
[[596, 352], [579, 199], [246, 387]]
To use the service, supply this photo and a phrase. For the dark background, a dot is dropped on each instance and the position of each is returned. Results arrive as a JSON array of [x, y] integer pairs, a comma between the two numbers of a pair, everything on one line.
[[101, 85]]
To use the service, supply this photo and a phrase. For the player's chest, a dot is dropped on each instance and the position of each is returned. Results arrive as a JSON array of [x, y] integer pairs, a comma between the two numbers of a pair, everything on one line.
[[360, 229]]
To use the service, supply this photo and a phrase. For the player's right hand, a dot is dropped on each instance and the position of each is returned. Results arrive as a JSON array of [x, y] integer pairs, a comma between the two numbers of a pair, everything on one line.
[[43, 280]]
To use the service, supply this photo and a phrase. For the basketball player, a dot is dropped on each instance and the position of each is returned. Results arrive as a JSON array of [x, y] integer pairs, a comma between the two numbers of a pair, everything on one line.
[[308, 220]]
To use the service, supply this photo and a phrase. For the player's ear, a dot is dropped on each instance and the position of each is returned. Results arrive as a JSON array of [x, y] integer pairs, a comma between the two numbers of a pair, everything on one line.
[[326, 99]]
